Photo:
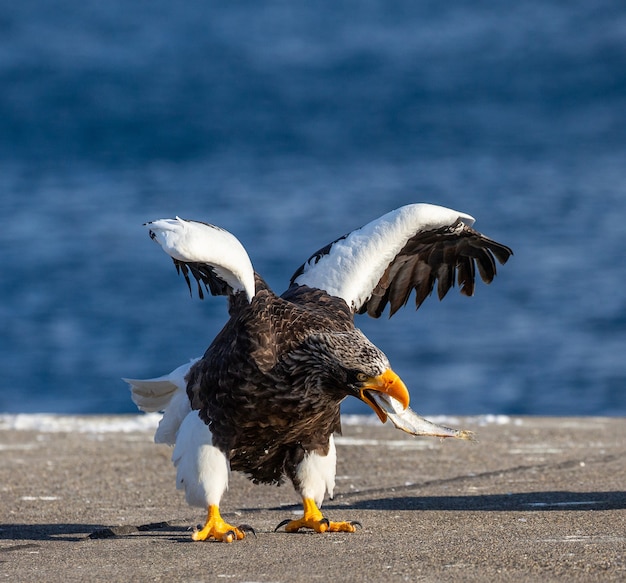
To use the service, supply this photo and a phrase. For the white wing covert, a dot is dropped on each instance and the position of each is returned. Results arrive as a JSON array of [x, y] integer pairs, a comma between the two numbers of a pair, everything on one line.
[[214, 256]]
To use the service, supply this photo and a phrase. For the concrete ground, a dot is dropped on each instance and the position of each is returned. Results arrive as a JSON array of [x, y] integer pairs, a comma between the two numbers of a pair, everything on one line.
[[536, 499]]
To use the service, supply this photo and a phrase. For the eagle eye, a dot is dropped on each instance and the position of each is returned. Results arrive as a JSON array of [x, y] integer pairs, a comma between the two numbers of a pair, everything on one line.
[[361, 377]]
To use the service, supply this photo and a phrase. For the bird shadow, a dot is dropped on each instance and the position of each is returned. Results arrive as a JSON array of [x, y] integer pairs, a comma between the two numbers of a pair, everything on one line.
[[542, 501], [79, 532]]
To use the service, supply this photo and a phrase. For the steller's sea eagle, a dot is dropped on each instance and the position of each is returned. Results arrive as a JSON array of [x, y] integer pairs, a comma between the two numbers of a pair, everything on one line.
[[264, 399]]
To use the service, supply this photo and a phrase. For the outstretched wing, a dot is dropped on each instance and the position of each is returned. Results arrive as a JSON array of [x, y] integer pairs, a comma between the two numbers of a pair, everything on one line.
[[213, 256], [409, 249]]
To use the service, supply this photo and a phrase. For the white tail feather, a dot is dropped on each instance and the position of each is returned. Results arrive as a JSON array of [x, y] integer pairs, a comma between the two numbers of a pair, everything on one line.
[[151, 395], [167, 393]]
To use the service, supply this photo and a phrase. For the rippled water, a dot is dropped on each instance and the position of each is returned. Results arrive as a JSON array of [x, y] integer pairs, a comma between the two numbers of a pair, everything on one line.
[[290, 125]]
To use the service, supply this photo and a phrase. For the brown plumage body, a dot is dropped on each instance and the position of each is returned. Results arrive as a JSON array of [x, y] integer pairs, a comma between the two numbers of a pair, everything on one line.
[[262, 390]]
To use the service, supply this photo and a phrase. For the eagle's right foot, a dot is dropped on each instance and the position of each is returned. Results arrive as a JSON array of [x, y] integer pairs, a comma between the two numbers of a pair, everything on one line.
[[217, 529]]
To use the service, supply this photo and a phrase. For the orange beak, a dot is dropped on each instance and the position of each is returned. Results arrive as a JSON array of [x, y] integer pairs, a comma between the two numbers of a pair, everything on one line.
[[388, 383]]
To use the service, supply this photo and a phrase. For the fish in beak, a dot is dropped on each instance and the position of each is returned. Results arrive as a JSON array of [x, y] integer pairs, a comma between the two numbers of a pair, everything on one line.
[[388, 396]]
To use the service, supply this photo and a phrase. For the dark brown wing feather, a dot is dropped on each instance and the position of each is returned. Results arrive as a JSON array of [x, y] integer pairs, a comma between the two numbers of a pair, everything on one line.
[[203, 274], [445, 256]]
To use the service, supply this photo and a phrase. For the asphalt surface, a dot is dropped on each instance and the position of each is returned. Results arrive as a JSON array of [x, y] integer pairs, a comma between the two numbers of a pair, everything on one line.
[[536, 499]]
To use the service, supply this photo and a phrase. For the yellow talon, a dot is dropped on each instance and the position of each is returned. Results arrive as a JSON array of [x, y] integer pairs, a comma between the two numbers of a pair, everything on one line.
[[314, 520], [216, 528]]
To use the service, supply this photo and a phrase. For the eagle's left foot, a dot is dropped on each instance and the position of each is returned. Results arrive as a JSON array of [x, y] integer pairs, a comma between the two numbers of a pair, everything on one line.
[[216, 528], [314, 520]]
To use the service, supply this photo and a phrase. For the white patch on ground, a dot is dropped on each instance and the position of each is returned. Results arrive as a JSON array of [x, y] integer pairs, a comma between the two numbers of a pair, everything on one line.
[[18, 446], [588, 539], [148, 422], [535, 449], [51, 423], [562, 504], [392, 443]]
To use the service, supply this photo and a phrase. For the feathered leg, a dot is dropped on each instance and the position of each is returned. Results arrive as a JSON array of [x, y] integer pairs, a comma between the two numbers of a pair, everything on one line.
[[202, 471], [315, 475]]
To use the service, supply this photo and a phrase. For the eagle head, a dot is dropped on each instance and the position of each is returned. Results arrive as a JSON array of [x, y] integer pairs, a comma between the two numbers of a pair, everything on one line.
[[348, 364]]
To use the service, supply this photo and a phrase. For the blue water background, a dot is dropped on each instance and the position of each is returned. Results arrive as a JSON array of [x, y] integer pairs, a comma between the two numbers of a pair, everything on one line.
[[291, 123]]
